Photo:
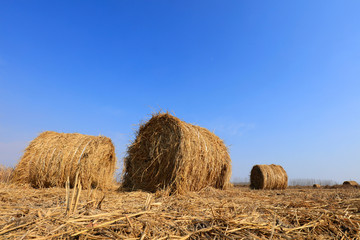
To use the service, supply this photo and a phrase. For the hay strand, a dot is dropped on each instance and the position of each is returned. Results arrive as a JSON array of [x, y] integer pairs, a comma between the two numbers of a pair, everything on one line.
[[268, 177], [171, 154], [5, 173]]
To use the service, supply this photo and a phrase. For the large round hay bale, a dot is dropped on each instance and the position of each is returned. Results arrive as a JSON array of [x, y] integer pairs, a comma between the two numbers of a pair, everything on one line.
[[268, 177], [350, 183], [53, 157], [171, 154], [316, 186]]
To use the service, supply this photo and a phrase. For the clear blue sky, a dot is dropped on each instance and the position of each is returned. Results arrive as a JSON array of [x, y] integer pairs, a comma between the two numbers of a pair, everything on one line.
[[279, 81]]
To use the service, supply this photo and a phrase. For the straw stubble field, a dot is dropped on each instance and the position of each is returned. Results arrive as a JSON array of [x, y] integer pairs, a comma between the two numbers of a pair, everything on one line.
[[235, 213]]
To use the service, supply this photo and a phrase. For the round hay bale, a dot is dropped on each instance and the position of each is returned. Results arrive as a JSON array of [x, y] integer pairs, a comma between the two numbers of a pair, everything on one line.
[[350, 183], [316, 186], [171, 154], [268, 177], [52, 158]]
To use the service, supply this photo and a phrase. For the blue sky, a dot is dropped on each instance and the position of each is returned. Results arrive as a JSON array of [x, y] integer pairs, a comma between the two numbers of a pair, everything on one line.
[[279, 81]]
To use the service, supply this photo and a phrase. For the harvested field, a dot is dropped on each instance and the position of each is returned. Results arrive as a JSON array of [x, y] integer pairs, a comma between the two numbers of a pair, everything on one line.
[[236, 213]]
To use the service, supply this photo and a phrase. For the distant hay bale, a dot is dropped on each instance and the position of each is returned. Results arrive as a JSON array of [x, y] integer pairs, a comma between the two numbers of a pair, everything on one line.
[[268, 177], [171, 154], [53, 157], [316, 186], [350, 183]]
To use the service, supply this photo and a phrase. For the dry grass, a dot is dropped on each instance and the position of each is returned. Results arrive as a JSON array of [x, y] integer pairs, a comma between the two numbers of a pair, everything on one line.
[[236, 213], [171, 154], [268, 177], [52, 158], [5, 173]]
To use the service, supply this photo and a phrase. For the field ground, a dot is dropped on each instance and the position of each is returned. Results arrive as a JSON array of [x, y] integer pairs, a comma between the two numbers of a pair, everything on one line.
[[237, 213]]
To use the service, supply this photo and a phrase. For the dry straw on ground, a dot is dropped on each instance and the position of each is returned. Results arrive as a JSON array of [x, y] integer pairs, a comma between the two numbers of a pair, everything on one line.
[[53, 157], [350, 183], [5, 173], [171, 154], [268, 177], [236, 213]]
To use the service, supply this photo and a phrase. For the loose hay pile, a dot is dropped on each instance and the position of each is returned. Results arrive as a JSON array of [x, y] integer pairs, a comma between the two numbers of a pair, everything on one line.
[[53, 157], [171, 154], [268, 177]]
